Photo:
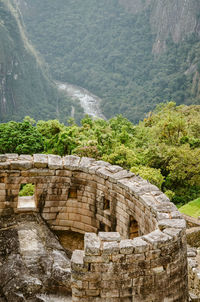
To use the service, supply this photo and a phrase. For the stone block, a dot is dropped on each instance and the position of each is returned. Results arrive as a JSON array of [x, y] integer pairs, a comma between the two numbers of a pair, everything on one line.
[[109, 236], [71, 162], [110, 248], [157, 239], [77, 261], [12, 156], [21, 165], [91, 244], [126, 246], [55, 162], [4, 165], [25, 157], [140, 246], [40, 160], [172, 223]]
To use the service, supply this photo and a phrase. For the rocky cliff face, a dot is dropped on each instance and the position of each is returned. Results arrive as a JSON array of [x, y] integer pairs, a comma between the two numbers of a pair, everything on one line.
[[133, 54], [25, 87], [32, 262], [177, 18]]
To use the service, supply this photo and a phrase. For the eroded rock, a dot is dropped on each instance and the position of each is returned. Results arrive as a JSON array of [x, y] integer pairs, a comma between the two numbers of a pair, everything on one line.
[[32, 261]]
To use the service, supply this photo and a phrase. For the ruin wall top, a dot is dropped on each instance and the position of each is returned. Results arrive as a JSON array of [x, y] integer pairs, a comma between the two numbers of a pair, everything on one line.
[[94, 197]]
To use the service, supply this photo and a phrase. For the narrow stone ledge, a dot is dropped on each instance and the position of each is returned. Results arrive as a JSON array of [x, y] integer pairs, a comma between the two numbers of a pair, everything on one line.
[[71, 162], [109, 236], [91, 244], [157, 239], [40, 160], [55, 162], [172, 223], [21, 165]]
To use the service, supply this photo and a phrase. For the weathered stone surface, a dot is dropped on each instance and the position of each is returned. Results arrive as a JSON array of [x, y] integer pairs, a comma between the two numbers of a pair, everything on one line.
[[109, 236], [91, 244], [40, 160], [31, 259], [71, 162], [172, 223], [86, 196], [55, 162], [20, 165]]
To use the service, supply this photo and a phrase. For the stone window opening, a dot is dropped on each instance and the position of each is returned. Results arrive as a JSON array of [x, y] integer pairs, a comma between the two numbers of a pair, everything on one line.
[[133, 228], [106, 204], [72, 192], [26, 197]]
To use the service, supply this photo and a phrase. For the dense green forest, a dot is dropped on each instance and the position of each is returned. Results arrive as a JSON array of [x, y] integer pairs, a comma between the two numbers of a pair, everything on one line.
[[103, 47], [164, 148], [25, 85]]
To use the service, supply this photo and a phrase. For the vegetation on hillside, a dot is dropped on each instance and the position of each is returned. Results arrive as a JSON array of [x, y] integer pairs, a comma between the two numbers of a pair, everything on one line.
[[192, 208], [164, 148], [101, 46], [25, 85]]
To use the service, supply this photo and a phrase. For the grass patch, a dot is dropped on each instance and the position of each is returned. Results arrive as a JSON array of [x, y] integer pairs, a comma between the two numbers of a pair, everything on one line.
[[192, 208]]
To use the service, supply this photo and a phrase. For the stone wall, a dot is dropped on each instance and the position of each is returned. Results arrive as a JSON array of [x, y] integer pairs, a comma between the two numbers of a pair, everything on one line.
[[88, 196]]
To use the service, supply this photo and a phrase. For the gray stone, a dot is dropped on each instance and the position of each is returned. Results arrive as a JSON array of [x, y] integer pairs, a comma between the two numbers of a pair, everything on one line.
[[55, 162], [71, 162], [91, 244], [110, 248], [21, 165], [126, 246], [109, 236], [40, 160], [140, 246], [157, 239], [172, 223]]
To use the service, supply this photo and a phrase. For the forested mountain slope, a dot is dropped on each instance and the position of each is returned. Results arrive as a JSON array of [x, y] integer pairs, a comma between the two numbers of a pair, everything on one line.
[[25, 88], [133, 54]]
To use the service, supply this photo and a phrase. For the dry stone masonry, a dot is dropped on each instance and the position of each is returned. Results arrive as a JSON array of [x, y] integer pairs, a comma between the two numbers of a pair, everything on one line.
[[135, 242]]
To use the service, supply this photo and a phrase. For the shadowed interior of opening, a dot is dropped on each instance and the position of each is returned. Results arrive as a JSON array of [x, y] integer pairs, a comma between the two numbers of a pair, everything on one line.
[[133, 228]]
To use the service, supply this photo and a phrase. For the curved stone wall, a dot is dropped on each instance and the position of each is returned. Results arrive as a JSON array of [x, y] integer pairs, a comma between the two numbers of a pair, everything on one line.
[[88, 196]]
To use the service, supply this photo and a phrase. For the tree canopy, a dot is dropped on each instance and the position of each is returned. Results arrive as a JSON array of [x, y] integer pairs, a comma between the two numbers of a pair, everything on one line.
[[164, 148]]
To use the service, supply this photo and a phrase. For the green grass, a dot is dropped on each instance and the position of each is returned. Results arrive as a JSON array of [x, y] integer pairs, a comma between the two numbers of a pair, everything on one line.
[[192, 208]]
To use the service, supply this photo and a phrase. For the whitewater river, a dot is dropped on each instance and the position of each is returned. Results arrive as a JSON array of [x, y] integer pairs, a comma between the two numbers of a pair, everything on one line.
[[88, 101]]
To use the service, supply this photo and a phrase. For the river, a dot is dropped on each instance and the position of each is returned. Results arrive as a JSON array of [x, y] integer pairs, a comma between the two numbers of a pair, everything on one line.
[[88, 101]]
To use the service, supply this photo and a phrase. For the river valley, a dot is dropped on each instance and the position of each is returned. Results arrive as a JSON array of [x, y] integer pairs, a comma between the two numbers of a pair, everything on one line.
[[88, 101]]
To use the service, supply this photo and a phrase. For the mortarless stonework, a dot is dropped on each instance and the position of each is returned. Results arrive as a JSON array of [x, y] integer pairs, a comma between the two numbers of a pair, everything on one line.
[[94, 197]]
